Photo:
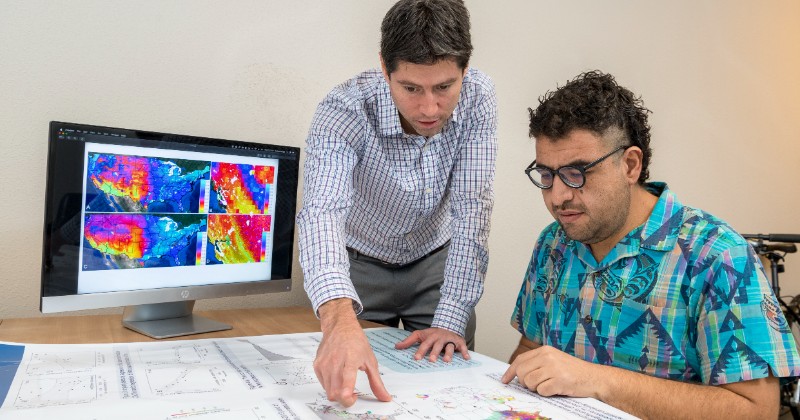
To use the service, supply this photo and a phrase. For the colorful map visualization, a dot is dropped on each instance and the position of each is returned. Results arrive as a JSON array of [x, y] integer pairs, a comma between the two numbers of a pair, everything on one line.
[[138, 184], [516, 415], [157, 212], [237, 238], [113, 241], [240, 188]]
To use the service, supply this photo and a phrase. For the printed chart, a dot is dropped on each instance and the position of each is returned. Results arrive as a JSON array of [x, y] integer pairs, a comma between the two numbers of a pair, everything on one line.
[[263, 377]]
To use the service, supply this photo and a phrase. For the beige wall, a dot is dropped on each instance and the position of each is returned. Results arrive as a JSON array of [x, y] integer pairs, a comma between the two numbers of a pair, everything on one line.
[[721, 78]]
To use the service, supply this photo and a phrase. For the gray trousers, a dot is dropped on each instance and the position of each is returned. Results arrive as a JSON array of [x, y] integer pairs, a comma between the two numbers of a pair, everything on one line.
[[408, 294]]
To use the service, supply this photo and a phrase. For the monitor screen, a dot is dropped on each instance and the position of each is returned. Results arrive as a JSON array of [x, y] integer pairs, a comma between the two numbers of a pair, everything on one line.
[[153, 221]]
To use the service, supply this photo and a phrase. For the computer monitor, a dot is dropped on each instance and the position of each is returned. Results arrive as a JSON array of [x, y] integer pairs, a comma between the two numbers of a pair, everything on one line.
[[154, 221]]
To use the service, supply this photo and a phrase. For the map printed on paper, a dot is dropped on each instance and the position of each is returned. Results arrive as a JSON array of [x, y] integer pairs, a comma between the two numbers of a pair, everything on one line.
[[261, 377]]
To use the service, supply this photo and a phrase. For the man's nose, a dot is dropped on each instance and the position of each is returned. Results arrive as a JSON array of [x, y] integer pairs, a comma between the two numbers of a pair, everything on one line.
[[429, 104], [560, 192]]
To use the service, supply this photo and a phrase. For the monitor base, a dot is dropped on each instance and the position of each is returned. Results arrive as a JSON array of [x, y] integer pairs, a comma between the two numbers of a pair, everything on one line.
[[165, 320]]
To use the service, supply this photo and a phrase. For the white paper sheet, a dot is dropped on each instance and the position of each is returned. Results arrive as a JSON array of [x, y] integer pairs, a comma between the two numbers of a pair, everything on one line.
[[262, 377]]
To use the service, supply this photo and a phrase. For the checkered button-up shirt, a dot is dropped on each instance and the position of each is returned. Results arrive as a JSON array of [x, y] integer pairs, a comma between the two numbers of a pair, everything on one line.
[[396, 197]]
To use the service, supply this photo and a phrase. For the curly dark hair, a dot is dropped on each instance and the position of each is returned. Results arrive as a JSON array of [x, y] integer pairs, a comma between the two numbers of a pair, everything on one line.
[[424, 32], [594, 101]]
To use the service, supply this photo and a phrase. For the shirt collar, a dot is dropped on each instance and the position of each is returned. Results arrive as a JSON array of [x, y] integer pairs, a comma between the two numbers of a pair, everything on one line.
[[388, 116], [661, 230]]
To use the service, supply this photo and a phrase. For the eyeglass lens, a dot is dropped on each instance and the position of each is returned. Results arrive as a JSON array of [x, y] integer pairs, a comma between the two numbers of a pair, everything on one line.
[[543, 177], [574, 176]]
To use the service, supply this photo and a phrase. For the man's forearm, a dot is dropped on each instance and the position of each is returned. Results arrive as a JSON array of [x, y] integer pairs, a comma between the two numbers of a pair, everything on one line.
[[650, 397], [335, 312]]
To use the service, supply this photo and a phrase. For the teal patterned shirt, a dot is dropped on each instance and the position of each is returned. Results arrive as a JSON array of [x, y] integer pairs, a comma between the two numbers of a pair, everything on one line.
[[682, 296]]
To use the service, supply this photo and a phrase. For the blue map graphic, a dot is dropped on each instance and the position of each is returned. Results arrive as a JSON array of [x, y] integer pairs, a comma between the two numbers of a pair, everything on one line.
[[141, 184], [116, 241]]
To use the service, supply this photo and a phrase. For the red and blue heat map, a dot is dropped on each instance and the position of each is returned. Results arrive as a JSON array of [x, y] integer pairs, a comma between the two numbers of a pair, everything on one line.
[[240, 188], [118, 234], [114, 241], [151, 212], [237, 238], [145, 184]]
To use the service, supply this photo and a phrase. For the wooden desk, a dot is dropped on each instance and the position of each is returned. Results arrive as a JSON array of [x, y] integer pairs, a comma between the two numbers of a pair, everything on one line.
[[109, 329]]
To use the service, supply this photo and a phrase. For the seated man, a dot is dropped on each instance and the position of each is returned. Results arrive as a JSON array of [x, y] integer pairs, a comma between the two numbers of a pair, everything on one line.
[[656, 308]]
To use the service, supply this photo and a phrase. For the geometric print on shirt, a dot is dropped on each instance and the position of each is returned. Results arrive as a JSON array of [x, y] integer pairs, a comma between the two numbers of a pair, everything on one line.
[[681, 297]]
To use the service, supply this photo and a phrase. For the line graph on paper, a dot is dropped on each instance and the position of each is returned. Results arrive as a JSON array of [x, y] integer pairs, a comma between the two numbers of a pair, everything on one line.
[[188, 368], [290, 361], [219, 412], [164, 381], [289, 348], [291, 373], [184, 354], [42, 364], [35, 393]]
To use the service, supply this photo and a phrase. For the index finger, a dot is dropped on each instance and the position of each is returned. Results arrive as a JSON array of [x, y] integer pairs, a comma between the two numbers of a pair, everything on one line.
[[509, 374], [409, 341]]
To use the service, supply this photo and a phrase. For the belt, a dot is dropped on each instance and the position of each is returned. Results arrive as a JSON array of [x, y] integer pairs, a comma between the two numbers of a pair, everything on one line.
[[361, 256]]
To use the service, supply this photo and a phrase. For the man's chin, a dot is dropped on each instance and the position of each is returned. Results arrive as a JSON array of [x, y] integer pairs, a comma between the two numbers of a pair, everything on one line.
[[572, 232], [429, 132]]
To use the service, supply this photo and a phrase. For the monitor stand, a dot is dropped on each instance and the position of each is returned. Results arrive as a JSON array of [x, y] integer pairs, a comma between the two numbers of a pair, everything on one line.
[[169, 319]]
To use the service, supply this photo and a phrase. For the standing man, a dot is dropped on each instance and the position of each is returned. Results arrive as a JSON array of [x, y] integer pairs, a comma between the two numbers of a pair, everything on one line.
[[397, 197], [656, 308]]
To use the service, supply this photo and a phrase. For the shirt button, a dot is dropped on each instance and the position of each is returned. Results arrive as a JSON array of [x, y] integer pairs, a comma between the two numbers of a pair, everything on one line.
[[587, 319], [428, 190]]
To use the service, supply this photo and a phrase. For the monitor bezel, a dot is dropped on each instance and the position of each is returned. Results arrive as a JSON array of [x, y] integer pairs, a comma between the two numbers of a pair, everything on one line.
[[281, 281]]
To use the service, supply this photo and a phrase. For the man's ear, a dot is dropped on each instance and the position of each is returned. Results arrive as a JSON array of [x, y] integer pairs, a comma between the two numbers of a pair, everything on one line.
[[383, 68], [632, 159]]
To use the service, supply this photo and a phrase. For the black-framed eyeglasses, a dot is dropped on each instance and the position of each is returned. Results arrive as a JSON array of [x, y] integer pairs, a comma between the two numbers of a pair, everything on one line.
[[573, 176]]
